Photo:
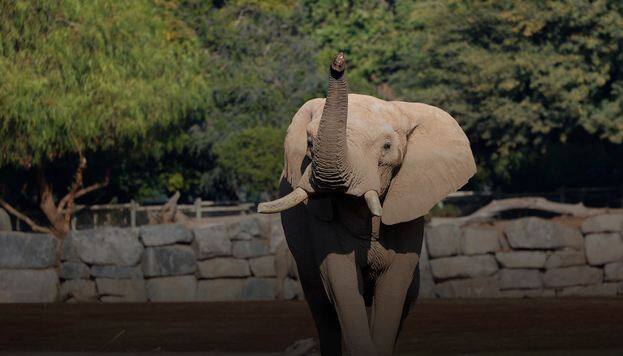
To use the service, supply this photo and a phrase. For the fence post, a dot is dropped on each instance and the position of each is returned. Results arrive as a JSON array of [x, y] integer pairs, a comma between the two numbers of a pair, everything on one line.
[[18, 226], [132, 213], [198, 208], [73, 223]]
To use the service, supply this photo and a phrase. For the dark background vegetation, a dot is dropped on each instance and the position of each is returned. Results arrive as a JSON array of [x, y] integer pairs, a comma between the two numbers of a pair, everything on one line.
[[196, 95]]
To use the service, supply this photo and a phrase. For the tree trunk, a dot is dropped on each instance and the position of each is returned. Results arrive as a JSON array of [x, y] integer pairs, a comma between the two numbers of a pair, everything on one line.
[[60, 225], [59, 215]]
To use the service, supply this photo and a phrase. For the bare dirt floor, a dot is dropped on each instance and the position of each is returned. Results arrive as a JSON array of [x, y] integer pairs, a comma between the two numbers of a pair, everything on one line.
[[491, 327]]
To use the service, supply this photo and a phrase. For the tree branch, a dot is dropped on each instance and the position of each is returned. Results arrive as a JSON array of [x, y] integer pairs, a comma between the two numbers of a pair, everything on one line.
[[69, 197], [535, 203], [93, 187], [33, 225], [84, 191]]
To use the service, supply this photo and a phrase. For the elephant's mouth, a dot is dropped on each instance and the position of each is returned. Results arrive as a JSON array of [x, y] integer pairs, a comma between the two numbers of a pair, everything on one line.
[[330, 167]]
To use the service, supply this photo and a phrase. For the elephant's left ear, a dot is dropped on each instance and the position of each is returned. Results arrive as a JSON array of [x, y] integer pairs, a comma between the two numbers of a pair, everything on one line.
[[438, 161], [295, 143]]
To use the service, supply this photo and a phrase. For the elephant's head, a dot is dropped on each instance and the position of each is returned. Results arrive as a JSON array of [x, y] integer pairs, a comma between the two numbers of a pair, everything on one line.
[[406, 155]]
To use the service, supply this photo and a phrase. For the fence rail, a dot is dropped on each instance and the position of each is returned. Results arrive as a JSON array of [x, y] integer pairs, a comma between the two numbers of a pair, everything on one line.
[[134, 214]]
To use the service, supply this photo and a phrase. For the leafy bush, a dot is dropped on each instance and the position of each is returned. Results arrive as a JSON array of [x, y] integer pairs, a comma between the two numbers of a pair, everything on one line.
[[254, 157]]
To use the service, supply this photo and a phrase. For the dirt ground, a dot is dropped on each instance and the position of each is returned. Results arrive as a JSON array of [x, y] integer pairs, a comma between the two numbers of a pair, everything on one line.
[[517, 326]]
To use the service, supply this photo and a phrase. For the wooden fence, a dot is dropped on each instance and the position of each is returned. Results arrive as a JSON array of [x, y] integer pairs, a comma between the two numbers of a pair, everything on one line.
[[129, 214]]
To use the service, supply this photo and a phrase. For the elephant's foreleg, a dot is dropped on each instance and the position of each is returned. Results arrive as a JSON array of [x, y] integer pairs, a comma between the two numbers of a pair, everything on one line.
[[323, 312], [343, 284], [412, 294], [327, 325], [388, 304]]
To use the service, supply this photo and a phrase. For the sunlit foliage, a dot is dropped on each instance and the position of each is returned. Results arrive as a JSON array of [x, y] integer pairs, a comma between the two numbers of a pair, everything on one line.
[[89, 76]]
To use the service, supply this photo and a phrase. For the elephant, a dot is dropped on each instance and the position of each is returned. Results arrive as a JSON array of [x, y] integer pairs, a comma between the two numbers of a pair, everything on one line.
[[359, 175], [285, 267]]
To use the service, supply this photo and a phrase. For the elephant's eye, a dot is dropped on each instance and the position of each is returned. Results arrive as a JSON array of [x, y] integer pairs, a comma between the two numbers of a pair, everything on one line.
[[387, 146]]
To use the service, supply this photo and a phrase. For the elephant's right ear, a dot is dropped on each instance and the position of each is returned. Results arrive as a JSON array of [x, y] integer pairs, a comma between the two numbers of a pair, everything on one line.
[[295, 143]]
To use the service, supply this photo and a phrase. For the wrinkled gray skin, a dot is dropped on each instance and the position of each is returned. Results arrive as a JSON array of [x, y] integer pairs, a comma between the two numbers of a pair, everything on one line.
[[349, 254]]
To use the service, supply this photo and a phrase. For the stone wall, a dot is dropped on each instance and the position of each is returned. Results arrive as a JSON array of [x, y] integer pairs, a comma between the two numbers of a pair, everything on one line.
[[224, 261], [28, 268], [528, 257]]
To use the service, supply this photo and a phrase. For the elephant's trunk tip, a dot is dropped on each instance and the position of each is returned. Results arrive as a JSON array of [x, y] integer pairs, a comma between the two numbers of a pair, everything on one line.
[[338, 65]]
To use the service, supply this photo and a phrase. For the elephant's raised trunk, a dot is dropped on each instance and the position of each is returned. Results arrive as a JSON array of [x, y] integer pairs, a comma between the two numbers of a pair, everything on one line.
[[330, 167]]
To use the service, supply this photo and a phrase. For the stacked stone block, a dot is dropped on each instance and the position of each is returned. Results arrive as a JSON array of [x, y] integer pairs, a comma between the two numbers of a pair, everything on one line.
[[27, 268], [226, 266], [527, 257]]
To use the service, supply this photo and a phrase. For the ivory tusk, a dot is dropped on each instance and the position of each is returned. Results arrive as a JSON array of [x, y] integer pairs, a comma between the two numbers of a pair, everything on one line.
[[284, 203], [374, 204]]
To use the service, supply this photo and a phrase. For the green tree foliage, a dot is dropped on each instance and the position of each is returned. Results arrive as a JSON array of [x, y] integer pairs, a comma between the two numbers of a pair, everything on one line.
[[85, 77], [252, 157], [260, 69], [90, 76], [526, 79], [372, 35], [193, 94]]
